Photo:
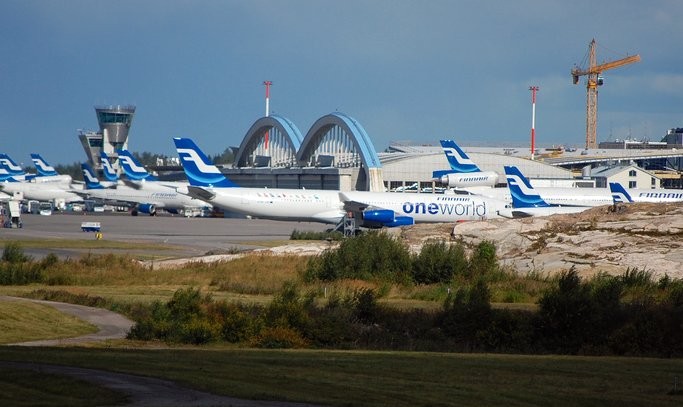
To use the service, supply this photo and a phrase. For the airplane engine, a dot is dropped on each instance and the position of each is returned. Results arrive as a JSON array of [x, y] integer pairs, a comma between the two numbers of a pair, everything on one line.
[[149, 209], [379, 215], [386, 217]]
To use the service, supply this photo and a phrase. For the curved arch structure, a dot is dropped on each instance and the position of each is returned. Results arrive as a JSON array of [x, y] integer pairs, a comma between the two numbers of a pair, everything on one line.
[[272, 141], [334, 140], [339, 140]]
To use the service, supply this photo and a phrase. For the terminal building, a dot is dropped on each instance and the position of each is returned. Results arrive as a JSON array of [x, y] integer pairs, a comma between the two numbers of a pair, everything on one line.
[[336, 153]]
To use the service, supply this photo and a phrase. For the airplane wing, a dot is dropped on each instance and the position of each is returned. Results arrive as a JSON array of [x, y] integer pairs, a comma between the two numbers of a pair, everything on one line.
[[351, 205], [203, 193]]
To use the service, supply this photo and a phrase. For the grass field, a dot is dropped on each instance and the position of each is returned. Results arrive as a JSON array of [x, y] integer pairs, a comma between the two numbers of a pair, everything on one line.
[[22, 321], [389, 378], [339, 378]]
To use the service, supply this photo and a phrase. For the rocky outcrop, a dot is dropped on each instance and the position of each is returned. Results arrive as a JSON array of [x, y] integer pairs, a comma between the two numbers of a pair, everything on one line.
[[641, 236]]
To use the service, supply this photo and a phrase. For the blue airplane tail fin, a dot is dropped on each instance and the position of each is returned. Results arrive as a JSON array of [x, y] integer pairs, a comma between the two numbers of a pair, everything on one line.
[[107, 169], [132, 167], [459, 161], [523, 194], [199, 170], [44, 169], [10, 166], [91, 181], [619, 193]]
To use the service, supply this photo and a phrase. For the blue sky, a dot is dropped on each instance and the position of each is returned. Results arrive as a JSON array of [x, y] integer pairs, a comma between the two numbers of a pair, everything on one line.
[[406, 70]]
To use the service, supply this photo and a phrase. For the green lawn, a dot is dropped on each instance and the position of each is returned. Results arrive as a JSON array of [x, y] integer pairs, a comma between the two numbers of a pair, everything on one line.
[[390, 378], [22, 321]]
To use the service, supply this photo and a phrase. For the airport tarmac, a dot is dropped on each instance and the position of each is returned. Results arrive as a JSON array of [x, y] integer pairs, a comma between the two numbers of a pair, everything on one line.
[[187, 236]]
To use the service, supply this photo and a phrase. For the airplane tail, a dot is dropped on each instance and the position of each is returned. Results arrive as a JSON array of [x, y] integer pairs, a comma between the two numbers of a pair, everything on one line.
[[523, 194], [107, 169], [5, 176], [619, 193], [199, 170], [44, 169], [10, 166], [91, 181], [459, 161], [132, 167]]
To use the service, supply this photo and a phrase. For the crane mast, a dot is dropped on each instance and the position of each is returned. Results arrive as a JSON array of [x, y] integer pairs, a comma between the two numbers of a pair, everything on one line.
[[593, 80]]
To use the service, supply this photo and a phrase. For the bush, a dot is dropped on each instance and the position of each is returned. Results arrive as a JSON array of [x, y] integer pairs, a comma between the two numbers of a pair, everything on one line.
[[279, 337], [372, 255], [14, 253], [483, 260], [288, 309], [565, 315], [438, 262], [467, 312]]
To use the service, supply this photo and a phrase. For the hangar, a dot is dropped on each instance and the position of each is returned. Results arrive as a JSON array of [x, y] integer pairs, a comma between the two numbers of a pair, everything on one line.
[[337, 153]]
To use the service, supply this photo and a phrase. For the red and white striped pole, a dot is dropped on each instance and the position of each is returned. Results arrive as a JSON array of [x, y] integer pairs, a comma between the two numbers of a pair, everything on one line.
[[533, 90], [267, 83], [267, 135]]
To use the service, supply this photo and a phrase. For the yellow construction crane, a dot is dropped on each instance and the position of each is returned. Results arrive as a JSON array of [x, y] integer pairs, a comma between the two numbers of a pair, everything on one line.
[[594, 79]]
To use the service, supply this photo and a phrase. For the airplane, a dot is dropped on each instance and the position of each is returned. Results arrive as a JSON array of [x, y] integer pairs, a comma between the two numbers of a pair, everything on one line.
[[527, 202], [622, 195], [552, 195], [374, 209], [46, 172], [209, 184], [41, 188], [133, 169], [107, 169], [148, 200], [48, 191], [463, 173]]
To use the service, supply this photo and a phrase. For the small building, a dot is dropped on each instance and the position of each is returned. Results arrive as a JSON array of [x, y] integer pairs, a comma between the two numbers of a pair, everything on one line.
[[630, 176]]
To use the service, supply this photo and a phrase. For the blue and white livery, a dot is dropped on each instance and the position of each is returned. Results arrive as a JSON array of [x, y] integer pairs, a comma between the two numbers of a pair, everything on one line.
[[147, 199], [464, 172], [43, 168], [527, 202], [133, 169], [108, 170], [623, 195], [372, 209]]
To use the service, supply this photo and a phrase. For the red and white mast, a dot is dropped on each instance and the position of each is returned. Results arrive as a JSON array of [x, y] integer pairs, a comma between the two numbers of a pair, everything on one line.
[[266, 136], [267, 83], [533, 90]]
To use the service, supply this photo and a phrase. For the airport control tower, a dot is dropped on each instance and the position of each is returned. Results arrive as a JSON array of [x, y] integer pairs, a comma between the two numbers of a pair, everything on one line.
[[114, 124]]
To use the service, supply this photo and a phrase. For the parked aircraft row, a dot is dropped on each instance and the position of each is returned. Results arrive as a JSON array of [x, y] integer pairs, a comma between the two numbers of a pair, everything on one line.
[[209, 187]]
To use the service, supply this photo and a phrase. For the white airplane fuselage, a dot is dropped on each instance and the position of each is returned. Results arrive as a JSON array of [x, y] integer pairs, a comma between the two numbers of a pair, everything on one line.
[[656, 195], [41, 191], [430, 208], [554, 196], [161, 197], [279, 204]]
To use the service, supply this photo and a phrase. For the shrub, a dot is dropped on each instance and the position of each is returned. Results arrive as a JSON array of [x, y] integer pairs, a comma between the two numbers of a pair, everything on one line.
[[279, 337], [565, 315], [438, 262], [367, 256], [288, 309], [483, 260], [14, 253], [467, 312]]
